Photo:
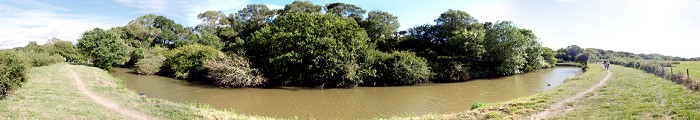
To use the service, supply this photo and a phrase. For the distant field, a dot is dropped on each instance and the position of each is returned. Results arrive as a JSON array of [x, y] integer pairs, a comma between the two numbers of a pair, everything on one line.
[[692, 66]]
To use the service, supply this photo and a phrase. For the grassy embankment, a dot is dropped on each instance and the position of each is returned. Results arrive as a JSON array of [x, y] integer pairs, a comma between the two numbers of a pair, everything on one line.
[[628, 94], [635, 94], [51, 93], [691, 66]]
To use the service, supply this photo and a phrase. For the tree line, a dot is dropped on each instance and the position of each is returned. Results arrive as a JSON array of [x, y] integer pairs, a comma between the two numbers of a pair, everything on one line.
[[304, 44], [570, 52]]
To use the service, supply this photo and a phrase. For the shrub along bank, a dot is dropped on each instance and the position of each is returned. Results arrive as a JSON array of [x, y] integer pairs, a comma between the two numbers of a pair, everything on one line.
[[15, 64]]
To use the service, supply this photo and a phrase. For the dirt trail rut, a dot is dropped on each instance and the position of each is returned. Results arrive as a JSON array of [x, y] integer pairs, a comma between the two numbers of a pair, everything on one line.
[[103, 101], [559, 107]]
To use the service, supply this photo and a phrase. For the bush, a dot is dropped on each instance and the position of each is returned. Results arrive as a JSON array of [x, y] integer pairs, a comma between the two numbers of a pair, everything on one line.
[[149, 65], [187, 60], [42, 59], [13, 67], [405, 68], [233, 71], [397, 68]]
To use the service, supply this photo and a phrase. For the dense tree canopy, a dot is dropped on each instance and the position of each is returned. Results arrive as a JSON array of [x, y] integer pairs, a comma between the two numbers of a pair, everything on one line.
[[336, 45], [303, 47], [106, 48], [381, 27], [301, 7], [346, 10]]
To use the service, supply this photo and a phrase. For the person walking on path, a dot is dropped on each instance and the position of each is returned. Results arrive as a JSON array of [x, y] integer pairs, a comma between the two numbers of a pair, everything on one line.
[[606, 64]]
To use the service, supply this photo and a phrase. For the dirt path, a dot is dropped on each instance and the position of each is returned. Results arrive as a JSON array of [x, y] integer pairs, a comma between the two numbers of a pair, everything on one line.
[[559, 107], [103, 101]]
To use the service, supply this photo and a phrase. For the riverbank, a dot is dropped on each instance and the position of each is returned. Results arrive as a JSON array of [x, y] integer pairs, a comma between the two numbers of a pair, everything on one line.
[[628, 94], [54, 92]]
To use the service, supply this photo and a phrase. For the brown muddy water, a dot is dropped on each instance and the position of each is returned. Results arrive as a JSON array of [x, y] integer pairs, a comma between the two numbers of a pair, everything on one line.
[[357, 103]]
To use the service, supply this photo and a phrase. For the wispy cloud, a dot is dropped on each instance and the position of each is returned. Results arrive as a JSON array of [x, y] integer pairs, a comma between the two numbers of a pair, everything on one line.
[[26, 21], [186, 10], [273, 6]]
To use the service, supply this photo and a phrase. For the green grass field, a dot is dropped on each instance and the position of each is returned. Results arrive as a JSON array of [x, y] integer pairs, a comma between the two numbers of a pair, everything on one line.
[[692, 66], [51, 93], [634, 94]]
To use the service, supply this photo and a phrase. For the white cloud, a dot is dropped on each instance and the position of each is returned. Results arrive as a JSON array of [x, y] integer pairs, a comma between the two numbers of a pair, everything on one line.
[[40, 22], [273, 6], [182, 9]]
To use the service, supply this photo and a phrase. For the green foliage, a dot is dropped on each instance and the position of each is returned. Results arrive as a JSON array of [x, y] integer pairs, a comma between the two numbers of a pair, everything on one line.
[[478, 105], [233, 71], [187, 60], [13, 69], [106, 48], [149, 65], [345, 10], [301, 7], [404, 68], [41, 59], [310, 49], [569, 53], [252, 18], [152, 61], [380, 26], [507, 47], [67, 50]]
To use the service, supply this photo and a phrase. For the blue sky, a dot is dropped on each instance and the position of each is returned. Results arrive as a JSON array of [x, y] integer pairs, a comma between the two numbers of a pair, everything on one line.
[[670, 27]]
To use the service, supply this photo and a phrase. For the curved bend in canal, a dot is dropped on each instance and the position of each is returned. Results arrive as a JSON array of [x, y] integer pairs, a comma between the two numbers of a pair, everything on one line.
[[357, 103]]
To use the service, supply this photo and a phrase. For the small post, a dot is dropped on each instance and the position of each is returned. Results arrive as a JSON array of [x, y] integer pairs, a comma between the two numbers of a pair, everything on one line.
[[687, 72], [671, 73]]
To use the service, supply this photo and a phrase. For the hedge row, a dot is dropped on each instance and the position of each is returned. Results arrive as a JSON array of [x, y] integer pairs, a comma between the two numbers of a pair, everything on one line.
[[657, 68], [14, 66]]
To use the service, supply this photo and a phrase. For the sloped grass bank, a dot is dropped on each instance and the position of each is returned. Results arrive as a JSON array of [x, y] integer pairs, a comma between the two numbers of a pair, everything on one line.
[[50, 93], [635, 94]]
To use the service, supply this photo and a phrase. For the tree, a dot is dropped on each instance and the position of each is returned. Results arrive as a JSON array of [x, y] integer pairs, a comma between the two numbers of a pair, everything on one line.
[[252, 18], [506, 48], [453, 20], [211, 21], [304, 49], [346, 10], [67, 50], [301, 7], [569, 53], [381, 26], [152, 30], [106, 48]]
